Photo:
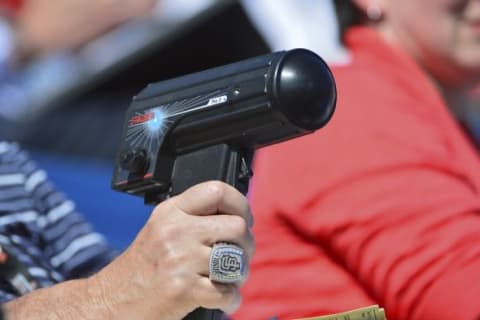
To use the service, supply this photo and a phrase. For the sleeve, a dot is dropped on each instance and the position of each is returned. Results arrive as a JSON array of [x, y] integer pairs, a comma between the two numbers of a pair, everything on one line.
[[394, 194], [5, 296], [71, 244]]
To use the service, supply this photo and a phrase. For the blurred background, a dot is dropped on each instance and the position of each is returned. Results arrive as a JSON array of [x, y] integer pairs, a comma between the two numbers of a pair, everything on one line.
[[64, 95]]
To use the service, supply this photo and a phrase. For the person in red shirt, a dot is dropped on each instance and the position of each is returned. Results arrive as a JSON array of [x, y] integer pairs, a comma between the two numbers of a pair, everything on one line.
[[383, 205]]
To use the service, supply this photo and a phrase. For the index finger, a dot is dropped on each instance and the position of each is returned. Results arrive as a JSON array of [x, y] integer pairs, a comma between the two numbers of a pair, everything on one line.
[[213, 197]]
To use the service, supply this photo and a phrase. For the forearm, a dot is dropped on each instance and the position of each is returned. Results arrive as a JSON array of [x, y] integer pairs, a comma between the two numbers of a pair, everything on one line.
[[76, 300]]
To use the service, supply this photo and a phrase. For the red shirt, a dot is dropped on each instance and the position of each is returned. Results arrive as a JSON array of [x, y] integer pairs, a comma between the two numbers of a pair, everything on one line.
[[11, 6], [381, 206]]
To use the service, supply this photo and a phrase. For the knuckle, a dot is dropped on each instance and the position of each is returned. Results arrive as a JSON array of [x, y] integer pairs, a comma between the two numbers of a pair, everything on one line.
[[216, 190], [161, 208], [244, 210], [251, 246], [166, 242], [249, 214], [238, 227], [178, 288], [231, 300], [168, 232], [161, 213], [221, 296], [223, 293], [175, 258], [246, 206]]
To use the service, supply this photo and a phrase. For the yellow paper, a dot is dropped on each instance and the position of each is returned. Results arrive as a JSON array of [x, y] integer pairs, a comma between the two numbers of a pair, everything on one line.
[[368, 313]]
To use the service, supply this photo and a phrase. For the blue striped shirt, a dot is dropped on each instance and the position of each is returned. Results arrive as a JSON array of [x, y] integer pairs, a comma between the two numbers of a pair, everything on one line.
[[41, 228]]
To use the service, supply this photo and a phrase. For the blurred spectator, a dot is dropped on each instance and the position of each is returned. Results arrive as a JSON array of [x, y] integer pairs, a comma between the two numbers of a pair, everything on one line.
[[52, 99], [46, 244], [48, 64], [382, 206], [45, 26], [46, 31], [290, 24]]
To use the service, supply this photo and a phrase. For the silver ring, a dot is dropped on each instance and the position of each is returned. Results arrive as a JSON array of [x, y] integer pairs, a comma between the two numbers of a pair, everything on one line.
[[227, 263]]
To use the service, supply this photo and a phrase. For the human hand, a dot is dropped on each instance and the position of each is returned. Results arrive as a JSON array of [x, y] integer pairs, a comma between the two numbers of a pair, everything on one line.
[[164, 273]]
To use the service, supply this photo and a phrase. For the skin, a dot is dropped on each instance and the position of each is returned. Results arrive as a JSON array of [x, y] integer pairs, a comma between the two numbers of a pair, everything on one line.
[[164, 272], [45, 26], [442, 35]]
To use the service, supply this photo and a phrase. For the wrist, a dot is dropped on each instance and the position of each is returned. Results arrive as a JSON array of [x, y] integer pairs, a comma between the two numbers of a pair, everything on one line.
[[99, 296]]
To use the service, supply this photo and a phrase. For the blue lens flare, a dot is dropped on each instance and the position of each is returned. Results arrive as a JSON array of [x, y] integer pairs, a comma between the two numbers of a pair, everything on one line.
[[156, 123]]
